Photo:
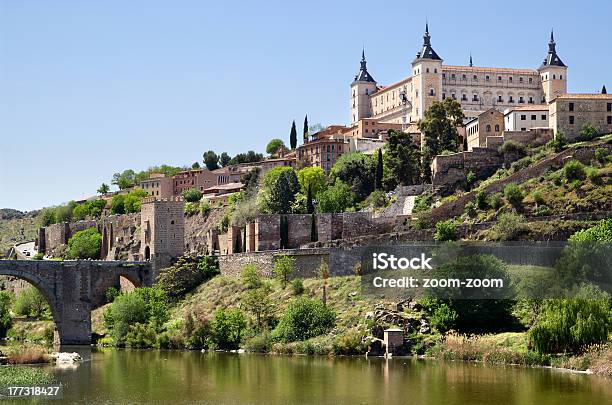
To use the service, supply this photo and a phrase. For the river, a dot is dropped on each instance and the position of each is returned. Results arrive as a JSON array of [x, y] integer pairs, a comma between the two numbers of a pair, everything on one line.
[[182, 377]]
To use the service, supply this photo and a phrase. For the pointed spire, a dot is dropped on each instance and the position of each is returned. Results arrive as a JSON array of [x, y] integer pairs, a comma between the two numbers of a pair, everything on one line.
[[363, 75], [552, 59], [471, 63], [427, 51], [603, 90]]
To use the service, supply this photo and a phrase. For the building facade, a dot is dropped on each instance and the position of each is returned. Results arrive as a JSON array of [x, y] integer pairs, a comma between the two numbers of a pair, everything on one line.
[[162, 230], [569, 113], [158, 185], [477, 89], [489, 123], [322, 153], [525, 118]]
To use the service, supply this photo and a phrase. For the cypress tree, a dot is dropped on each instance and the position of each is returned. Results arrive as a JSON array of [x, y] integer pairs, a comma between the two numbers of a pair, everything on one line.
[[293, 136], [379, 171], [309, 204], [313, 229], [306, 128], [284, 232]]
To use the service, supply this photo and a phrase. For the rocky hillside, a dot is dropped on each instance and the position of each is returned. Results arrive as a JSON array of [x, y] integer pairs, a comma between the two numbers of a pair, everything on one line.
[[16, 227]]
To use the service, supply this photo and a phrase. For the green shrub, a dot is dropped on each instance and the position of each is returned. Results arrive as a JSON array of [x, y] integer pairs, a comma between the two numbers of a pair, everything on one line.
[[542, 211], [23, 375], [250, 277], [337, 198], [5, 312], [297, 286], [593, 175], [496, 200], [191, 209], [205, 207], [422, 203], [443, 318], [513, 148], [85, 244], [258, 344], [30, 302], [304, 318], [38, 256], [186, 274], [481, 200], [470, 209], [571, 325], [283, 269], [227, 328], [574, 170], [521, 164], [513, 194], [141, 336], [470, 179], [349, 344], [559, 143], [601, 154], [111, 294], [192, 195], [377, 199], [537, 198], [588, 133], [509, 226], [446, 231]]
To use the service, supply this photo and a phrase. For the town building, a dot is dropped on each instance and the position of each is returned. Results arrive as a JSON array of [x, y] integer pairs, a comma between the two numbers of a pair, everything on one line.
[[322, 153], [524, 118], [158, 185], [476, 88], [199, 179], [162, 234], [489, 123], [569, 113]]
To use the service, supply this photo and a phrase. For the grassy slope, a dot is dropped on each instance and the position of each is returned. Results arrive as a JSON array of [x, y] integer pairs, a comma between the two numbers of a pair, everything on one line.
[[17, 230]]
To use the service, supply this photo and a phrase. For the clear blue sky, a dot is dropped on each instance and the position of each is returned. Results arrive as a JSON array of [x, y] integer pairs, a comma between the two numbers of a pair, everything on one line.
[[91, 88]]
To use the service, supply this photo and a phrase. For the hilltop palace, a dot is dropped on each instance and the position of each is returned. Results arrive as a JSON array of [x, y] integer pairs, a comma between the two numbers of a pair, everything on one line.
[[476, 88]]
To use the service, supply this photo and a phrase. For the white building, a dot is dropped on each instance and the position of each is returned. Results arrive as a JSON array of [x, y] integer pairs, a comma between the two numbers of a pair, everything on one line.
[[526, 117]]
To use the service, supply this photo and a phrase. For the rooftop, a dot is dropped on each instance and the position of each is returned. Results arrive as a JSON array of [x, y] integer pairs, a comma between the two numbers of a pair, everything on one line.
[[478, 69]]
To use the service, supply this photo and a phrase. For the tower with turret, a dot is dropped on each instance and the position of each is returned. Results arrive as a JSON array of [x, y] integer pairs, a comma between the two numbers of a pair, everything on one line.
[[553, 73], [426, 78], [361, 89]]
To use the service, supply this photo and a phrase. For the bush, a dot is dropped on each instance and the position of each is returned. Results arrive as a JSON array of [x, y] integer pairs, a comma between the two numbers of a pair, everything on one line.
[[470, 209], [297, 286], [443, 318], [571, 325], [250, 277], [542, 211], [5, 312], [513, 194], [593, 175], [38, 256], [337, 198], [141, 336], [304, 318], [559, 143], [192, 195], [228, 327], [85, 244], [111, 294], [521, 164], [445, 231], [470, 179], [588, 133], [574, 170], [537, 198], [186, 274], [204, 207], [283, 269], [144, 305], [30, 302], [509, 226], [513, 149], [601, 154], [496, 200], [191, 209], [481, 200], [258, 344], [378, 199], [349, 344]]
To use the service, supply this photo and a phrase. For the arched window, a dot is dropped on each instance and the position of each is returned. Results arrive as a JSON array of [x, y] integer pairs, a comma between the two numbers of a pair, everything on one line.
[[497, 128], [488, 128]]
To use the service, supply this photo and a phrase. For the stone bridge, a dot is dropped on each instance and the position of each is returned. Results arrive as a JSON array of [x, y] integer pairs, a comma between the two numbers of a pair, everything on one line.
[[74, 288]]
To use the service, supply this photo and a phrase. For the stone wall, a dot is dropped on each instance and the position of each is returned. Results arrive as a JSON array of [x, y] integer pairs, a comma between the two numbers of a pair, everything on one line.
[[451, 170]]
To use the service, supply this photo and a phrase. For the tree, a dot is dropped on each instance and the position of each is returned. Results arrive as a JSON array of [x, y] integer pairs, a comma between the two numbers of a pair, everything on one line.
[[358, 171], [283, 192], [118, 204], [439, 126], [313, 177], [379, 171], [228, 327], [103, 189], [274, 146], [293, 136], [211, 160], [588, 133], [224, 159], [85, 244], [402, 159], [30, 302], [283, 269], [337, 198], [132, 201], [309, 203], [305, 131], [195, 165], [249, 157], [304, 318], [192, 195], [323, 271], [257, 301], [5, 312], [125, 179], [445, 231]]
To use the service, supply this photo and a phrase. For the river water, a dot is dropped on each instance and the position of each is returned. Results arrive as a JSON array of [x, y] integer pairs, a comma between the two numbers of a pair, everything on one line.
[[175, 377]]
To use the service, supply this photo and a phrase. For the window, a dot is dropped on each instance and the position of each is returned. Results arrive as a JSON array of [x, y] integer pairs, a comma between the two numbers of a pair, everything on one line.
[[453, 76], [530, 80], [533, 117], [510, 79], [475, 77], [521, 100], [510, 99], [560, 77], [523, 117], [488, 128], [571, 120], [487, 78], [443, 96], [463, 97], [431, 92], [500, 99], [496, 127], [609, 106], [609, 119], [427, 70], [464, 77], [571, 106], [454, 96], [444, 75], [520, 80], [499, 78], [543, 117], [367, 92], [523, 129], [435, 70], [475, 97], [530, 100]]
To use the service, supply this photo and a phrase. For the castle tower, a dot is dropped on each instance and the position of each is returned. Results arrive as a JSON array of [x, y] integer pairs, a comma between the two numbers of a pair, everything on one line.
[[361, 89], [553, 73], [162, 230], [426, 78]]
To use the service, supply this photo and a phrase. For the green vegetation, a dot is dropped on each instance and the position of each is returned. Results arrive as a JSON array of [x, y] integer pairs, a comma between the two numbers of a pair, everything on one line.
[[574, 170], [31, 303], [358, 171], [274, 146], [446, 231], [21, 375], [192, 195], [402, 161], [89, 209], [304, 318], [186, 274], [128, 203], [337, 198], [284, 267], [5, 312], [85, 244], [313, 177], [293, 136], [513, 194]]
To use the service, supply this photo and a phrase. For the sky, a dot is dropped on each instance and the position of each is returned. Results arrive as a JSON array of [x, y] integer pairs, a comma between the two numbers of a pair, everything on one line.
[[88, 89]]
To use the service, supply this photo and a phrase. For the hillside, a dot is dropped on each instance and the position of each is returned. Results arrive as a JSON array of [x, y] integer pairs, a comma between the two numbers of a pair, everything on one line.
[[17, 227]]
